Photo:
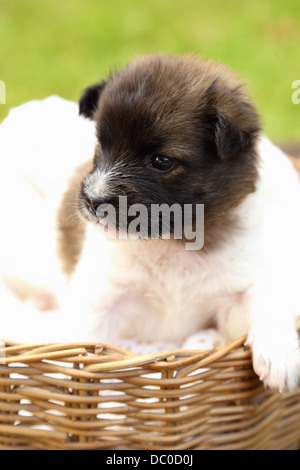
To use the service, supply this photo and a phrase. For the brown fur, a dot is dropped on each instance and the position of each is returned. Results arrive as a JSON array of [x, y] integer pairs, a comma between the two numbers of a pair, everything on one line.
[[70, 227]]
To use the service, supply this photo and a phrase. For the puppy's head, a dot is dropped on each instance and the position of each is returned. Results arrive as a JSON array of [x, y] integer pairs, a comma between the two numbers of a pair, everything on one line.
[[171, 130]]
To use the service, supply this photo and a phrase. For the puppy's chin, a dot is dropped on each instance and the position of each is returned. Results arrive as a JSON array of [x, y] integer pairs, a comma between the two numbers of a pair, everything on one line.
[[110, 231]]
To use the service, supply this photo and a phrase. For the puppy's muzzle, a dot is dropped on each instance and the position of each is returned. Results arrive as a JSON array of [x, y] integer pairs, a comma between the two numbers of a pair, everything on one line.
[[95, 191], [92, 203]]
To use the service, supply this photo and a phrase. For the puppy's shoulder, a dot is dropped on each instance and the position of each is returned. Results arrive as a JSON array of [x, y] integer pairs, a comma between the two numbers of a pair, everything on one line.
[[278, 175]]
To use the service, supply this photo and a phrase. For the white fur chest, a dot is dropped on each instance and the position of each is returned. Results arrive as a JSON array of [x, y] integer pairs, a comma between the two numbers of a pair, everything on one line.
[[156, 290]]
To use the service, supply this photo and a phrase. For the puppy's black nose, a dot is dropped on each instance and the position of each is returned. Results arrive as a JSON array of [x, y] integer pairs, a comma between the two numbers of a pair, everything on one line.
[[95, 202]]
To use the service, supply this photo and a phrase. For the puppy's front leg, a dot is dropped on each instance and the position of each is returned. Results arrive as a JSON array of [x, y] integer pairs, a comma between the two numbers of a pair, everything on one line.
[[273, 334], [275, 346]]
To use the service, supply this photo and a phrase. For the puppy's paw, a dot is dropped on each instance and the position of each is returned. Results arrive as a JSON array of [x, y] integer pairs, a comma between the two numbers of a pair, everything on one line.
[[277, 363]]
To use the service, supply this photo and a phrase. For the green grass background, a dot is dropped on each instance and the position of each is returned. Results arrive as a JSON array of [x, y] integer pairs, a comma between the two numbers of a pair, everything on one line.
[[61, 46]]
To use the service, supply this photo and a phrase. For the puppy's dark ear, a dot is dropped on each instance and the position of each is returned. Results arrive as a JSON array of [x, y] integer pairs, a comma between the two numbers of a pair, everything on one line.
[[89, 100], [230, 138], [234, 120]]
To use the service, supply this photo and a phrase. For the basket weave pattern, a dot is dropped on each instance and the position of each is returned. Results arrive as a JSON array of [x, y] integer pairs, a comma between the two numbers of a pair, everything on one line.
[[95, 396]]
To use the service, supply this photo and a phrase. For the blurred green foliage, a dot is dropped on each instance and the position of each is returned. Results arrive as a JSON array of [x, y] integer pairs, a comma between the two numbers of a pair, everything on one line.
[[61, 46]]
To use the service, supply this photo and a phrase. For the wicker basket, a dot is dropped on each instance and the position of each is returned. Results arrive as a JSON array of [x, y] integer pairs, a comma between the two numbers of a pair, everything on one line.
[[94, 396]]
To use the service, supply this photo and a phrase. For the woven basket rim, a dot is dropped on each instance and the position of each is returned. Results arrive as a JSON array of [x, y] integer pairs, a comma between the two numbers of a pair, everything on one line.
[[118, 357]]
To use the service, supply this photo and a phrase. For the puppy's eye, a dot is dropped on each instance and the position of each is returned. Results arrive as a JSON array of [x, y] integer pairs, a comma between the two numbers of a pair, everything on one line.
[[161, 162]]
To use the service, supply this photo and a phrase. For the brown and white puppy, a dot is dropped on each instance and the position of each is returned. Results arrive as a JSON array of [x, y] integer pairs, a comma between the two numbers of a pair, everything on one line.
[[180, 130]]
